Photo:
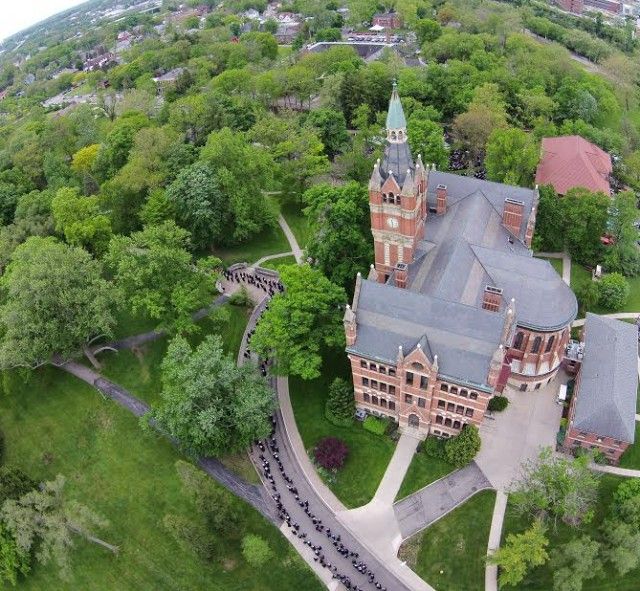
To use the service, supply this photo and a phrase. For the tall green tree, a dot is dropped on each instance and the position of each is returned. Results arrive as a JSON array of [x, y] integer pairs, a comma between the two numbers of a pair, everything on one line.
[[208, 403], [427, 138], [46, 522], [549, 234], [80, 220], [575, 562], [512, 157], [340, 406], [460, 450], [300, 321], [14, 561], [54, 300], [585, 217], [341, 243], [520, 554], [562, 488], [623, 256], [158, 276], [244, 171], [331, 127], [622, 545], [200, 206]]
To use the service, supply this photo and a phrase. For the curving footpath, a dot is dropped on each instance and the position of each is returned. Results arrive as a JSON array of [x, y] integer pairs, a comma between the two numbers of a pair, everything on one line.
[[295, 247], [252, 494]]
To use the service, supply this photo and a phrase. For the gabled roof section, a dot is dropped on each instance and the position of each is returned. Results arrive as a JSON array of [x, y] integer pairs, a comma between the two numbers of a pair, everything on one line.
[[571, 161], [395, 113], [463, 337], [606, 398]]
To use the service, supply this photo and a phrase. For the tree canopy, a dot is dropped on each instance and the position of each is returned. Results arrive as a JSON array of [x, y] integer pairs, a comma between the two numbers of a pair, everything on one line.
[[55, 299], [208, 403], [300, 322]]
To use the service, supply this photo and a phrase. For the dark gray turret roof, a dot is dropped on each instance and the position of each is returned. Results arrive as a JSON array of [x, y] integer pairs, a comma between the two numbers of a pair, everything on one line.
[[397, 158]]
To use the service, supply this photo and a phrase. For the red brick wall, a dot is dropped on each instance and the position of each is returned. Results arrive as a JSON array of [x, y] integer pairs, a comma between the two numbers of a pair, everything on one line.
[[611, 448]]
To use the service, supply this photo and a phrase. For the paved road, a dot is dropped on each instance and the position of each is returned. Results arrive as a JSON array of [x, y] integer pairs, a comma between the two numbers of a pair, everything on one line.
[[322, 512], [429, 504]]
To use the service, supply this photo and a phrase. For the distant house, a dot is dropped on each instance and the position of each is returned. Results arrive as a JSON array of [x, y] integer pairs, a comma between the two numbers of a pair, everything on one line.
[[571, 161], [170, 76], [603, 408], [99, 63], [287, 32], [388, 20]]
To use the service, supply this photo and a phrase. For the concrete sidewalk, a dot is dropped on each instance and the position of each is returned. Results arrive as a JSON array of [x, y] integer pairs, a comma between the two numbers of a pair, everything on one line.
[[293, 243], [491, 570], [397, 469], [422, 508]]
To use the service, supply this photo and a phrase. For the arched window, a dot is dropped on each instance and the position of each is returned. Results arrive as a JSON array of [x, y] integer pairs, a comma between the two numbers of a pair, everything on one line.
[[391, 198], [536, 345], [393, 135], [417, 366], [517, 343], [550, 344], [399, 135], [385, 198]]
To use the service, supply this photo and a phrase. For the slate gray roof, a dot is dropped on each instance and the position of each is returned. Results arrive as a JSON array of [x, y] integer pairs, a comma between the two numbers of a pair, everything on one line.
[[468, 248], [606, 397], [397, 158], [463, 337]]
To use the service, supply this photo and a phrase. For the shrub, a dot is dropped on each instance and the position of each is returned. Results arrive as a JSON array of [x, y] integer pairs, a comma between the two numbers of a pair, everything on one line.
[[190, 535], [256, 550], [340, 407], [433, 447], [331, 453], [375, 425], [241, 298], [498, 403], [461, 450], [1, 447], [613, 291], [14, 483]]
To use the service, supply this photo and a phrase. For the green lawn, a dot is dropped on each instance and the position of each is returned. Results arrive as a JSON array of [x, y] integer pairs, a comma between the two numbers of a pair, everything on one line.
[[423, 470], [580, 275], [298, 222], [631, 457], [272, 241], [541, 578], [279, 262], [555, 263], [138, 370], [356, 483], [455, 545], [56, 424]]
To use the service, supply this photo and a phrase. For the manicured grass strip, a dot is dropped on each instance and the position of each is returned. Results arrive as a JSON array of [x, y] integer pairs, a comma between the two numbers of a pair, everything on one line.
[[56, 424], [369, 454], [450, 554], [541, 578], [631, 457], [423, 470], [279, 262], [272, 241], [298, 222]]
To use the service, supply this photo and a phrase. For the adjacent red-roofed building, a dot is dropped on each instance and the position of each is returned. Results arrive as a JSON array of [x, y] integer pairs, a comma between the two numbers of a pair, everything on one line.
[[571, 161]]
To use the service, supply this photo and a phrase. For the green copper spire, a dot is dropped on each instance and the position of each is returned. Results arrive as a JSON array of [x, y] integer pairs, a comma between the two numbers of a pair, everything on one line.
[[395, 114]]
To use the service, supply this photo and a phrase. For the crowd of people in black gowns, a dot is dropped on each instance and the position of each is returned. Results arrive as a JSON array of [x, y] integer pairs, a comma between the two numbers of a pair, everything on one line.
[[269, 447], [269, 286]]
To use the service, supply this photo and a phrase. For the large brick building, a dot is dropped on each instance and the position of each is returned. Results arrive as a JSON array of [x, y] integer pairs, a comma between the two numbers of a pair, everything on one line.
[[603, 406], [455, 305]]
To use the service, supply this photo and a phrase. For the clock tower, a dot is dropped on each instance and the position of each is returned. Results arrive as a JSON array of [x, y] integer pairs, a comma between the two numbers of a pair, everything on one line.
[[397, 199]]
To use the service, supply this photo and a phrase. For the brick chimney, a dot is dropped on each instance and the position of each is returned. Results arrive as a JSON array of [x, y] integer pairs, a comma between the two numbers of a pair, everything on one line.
[[512, 216], [492, 298], [401, 275], [441, 199]]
